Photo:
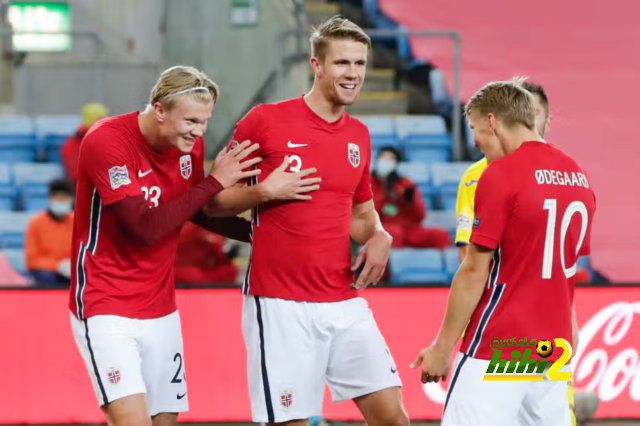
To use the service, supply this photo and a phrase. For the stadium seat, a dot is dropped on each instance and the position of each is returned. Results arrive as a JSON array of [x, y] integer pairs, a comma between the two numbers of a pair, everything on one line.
[[446, 178], [451, 262], [7, 190], [425, 138], [16, 259], [53, 130], [419, 174], [442, 219], [382, 130], [13, 226], [416, 266], [33, 179], [17, 139]]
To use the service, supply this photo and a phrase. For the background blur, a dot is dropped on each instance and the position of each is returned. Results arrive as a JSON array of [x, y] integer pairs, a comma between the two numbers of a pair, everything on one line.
[[64, 65]]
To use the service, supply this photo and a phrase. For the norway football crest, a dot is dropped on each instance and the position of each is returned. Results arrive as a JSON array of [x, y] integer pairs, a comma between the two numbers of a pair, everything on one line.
[[114, 376], [185, 166], [354, 154], [286, 399]]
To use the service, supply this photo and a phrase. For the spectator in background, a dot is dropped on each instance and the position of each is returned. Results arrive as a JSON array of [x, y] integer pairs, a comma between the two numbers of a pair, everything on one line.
[[201, 258], [48, 239], [401, 207], [70, 150]]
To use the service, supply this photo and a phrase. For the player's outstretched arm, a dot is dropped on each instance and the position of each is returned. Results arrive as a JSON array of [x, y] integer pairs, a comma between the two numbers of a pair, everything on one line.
[[150, 225], [466, 291], [279, 186], [367, 229]]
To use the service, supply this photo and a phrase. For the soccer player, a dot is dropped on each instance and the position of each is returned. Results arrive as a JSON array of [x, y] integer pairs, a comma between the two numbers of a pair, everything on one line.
[[303, 321], [533, 215], [140, 178], [465, 214]]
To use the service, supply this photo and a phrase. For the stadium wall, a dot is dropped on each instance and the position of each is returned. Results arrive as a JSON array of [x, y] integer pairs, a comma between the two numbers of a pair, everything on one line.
[[45, 380]]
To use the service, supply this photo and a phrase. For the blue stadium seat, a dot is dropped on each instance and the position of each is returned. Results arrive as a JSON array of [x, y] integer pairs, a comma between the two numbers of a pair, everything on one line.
[[7, 190], [439, 91], [442, 219], [13, 226], [417, 266], [16, 259], [33, 179], [53, 130], [17, 139], [451, 262], [382, 130], [419, 174], [446, 178], [425, 137]]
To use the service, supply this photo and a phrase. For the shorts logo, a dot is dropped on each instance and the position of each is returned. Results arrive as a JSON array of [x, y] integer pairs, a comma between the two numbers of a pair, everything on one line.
[[185, 166], [286, 399], [114, 376], [354, 154], [119, 176]]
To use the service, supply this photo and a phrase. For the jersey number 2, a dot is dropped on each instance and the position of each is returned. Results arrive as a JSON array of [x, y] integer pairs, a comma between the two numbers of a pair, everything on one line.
[[552, 206]]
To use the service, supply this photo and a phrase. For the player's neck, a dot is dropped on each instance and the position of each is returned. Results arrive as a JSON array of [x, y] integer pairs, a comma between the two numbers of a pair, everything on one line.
[[148, 128], [320, 105], [517, 137]]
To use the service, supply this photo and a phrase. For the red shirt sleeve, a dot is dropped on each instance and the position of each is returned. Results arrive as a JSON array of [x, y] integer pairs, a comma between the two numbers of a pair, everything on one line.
[[106, 161], [493, 202], [364, 192]]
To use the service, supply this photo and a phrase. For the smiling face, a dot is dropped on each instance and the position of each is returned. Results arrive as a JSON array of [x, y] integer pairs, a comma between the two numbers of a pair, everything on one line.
[[185, 122], [341, 72]]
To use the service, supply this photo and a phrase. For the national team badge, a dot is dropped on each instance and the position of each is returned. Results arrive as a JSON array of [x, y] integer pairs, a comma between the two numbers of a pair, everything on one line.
[[354, 154], [119, 176], [114, 376], [286, 399], [185, 166]]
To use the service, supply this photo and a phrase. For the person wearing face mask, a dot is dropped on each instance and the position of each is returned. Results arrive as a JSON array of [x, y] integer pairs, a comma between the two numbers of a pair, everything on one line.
[[48, 238], [400, 206]]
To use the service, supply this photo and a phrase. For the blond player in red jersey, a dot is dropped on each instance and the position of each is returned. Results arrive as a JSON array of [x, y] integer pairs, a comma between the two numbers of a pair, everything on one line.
[[533, 215], [140, 178], [303, 323]]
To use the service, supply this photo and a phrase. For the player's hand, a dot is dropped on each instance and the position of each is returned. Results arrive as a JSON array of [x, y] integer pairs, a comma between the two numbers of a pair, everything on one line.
[[228, 167], [281, 185], [436, 364], [374, 255]]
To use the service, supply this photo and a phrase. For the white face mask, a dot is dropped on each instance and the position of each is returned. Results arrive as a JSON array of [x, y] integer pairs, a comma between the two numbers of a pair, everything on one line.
[[385, 166], [60, 208]]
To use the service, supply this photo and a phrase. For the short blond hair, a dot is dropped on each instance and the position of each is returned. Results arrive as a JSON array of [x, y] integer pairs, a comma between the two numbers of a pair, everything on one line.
[[333, 28], [177, 81], [507, 100]]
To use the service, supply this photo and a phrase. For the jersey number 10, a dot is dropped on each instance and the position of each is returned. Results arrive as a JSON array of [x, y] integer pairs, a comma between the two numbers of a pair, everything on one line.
[[552, 206]]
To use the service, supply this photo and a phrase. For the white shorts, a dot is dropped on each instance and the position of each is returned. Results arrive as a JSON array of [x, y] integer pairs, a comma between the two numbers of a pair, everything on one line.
[[126, 356], [473, 402], [295, 347]]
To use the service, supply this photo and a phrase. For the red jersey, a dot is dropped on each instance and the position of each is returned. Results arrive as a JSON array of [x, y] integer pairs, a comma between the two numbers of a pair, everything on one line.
[[113, 273], [300, 250], [534, 207]]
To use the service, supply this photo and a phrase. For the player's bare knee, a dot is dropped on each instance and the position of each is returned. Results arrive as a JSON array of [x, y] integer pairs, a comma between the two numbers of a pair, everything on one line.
[[132, 419]]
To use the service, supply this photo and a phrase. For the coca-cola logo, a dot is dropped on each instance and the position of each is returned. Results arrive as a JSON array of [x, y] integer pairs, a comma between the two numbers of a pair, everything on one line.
[[607, 359]]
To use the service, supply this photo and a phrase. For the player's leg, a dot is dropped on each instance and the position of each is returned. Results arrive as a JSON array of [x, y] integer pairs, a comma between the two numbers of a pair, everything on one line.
[[474, 402], [286, 360], [163, 368], [360, 364], [108, 346]]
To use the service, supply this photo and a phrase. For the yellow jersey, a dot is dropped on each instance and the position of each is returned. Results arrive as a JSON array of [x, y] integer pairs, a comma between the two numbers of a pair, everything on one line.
[[466, 200]]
